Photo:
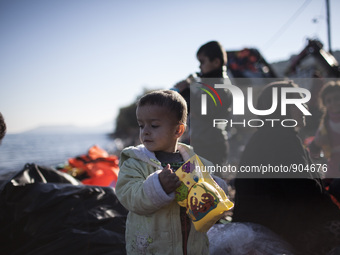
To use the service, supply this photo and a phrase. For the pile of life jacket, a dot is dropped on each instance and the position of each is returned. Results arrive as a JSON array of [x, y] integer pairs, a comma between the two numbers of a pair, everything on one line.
[[96, 167]]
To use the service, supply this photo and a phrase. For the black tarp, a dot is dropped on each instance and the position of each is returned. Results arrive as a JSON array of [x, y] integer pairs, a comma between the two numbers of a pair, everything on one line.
[[43, 211]]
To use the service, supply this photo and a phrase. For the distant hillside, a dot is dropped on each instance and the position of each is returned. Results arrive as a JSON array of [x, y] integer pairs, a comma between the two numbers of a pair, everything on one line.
[[71, 129]]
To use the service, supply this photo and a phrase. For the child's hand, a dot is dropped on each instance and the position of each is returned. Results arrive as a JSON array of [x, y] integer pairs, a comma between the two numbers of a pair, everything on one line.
[[168, 179]]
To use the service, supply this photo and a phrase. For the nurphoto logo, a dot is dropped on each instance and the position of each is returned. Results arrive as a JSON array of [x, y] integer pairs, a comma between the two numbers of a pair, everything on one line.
[[238, 104], [238, 99]]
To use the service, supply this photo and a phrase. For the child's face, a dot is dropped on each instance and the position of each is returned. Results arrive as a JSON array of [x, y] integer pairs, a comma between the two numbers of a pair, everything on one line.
[[206, 65], [332, 102], [159, 130]]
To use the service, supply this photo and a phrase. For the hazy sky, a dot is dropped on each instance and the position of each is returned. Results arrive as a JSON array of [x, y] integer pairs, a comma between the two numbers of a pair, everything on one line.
[[78, 61]]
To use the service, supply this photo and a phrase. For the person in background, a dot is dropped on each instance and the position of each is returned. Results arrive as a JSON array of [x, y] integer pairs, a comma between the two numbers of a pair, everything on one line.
[[156, 224], [293, 204], [327, 137], [213, 59]]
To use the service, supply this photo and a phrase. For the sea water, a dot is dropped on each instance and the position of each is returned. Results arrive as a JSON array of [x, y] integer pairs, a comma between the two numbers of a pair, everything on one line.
[[47, 149]]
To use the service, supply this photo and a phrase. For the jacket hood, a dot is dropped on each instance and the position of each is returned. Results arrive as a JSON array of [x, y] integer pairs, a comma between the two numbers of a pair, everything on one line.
[[140, 152]]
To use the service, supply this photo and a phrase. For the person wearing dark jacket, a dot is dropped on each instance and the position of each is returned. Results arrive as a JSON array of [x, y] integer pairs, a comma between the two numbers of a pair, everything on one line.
[[209, 142], [291, 201]]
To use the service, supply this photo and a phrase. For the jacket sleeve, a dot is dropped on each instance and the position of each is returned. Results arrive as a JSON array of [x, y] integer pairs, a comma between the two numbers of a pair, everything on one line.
[[138, 192]]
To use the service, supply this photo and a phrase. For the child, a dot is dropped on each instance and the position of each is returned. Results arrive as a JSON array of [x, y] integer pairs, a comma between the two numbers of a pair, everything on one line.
[[156, 224], [213, 59], [327, 137]]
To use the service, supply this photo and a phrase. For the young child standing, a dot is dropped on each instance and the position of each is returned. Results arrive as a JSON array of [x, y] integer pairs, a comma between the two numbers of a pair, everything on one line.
[[327, 137], [156, 224]]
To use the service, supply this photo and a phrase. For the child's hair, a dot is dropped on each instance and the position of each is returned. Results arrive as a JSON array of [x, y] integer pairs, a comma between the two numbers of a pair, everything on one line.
[[214, 50], [329, 87], [169, 99]]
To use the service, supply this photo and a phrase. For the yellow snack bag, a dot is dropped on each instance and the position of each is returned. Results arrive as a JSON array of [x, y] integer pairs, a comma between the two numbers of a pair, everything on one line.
[[200, 194], [188, 177]]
